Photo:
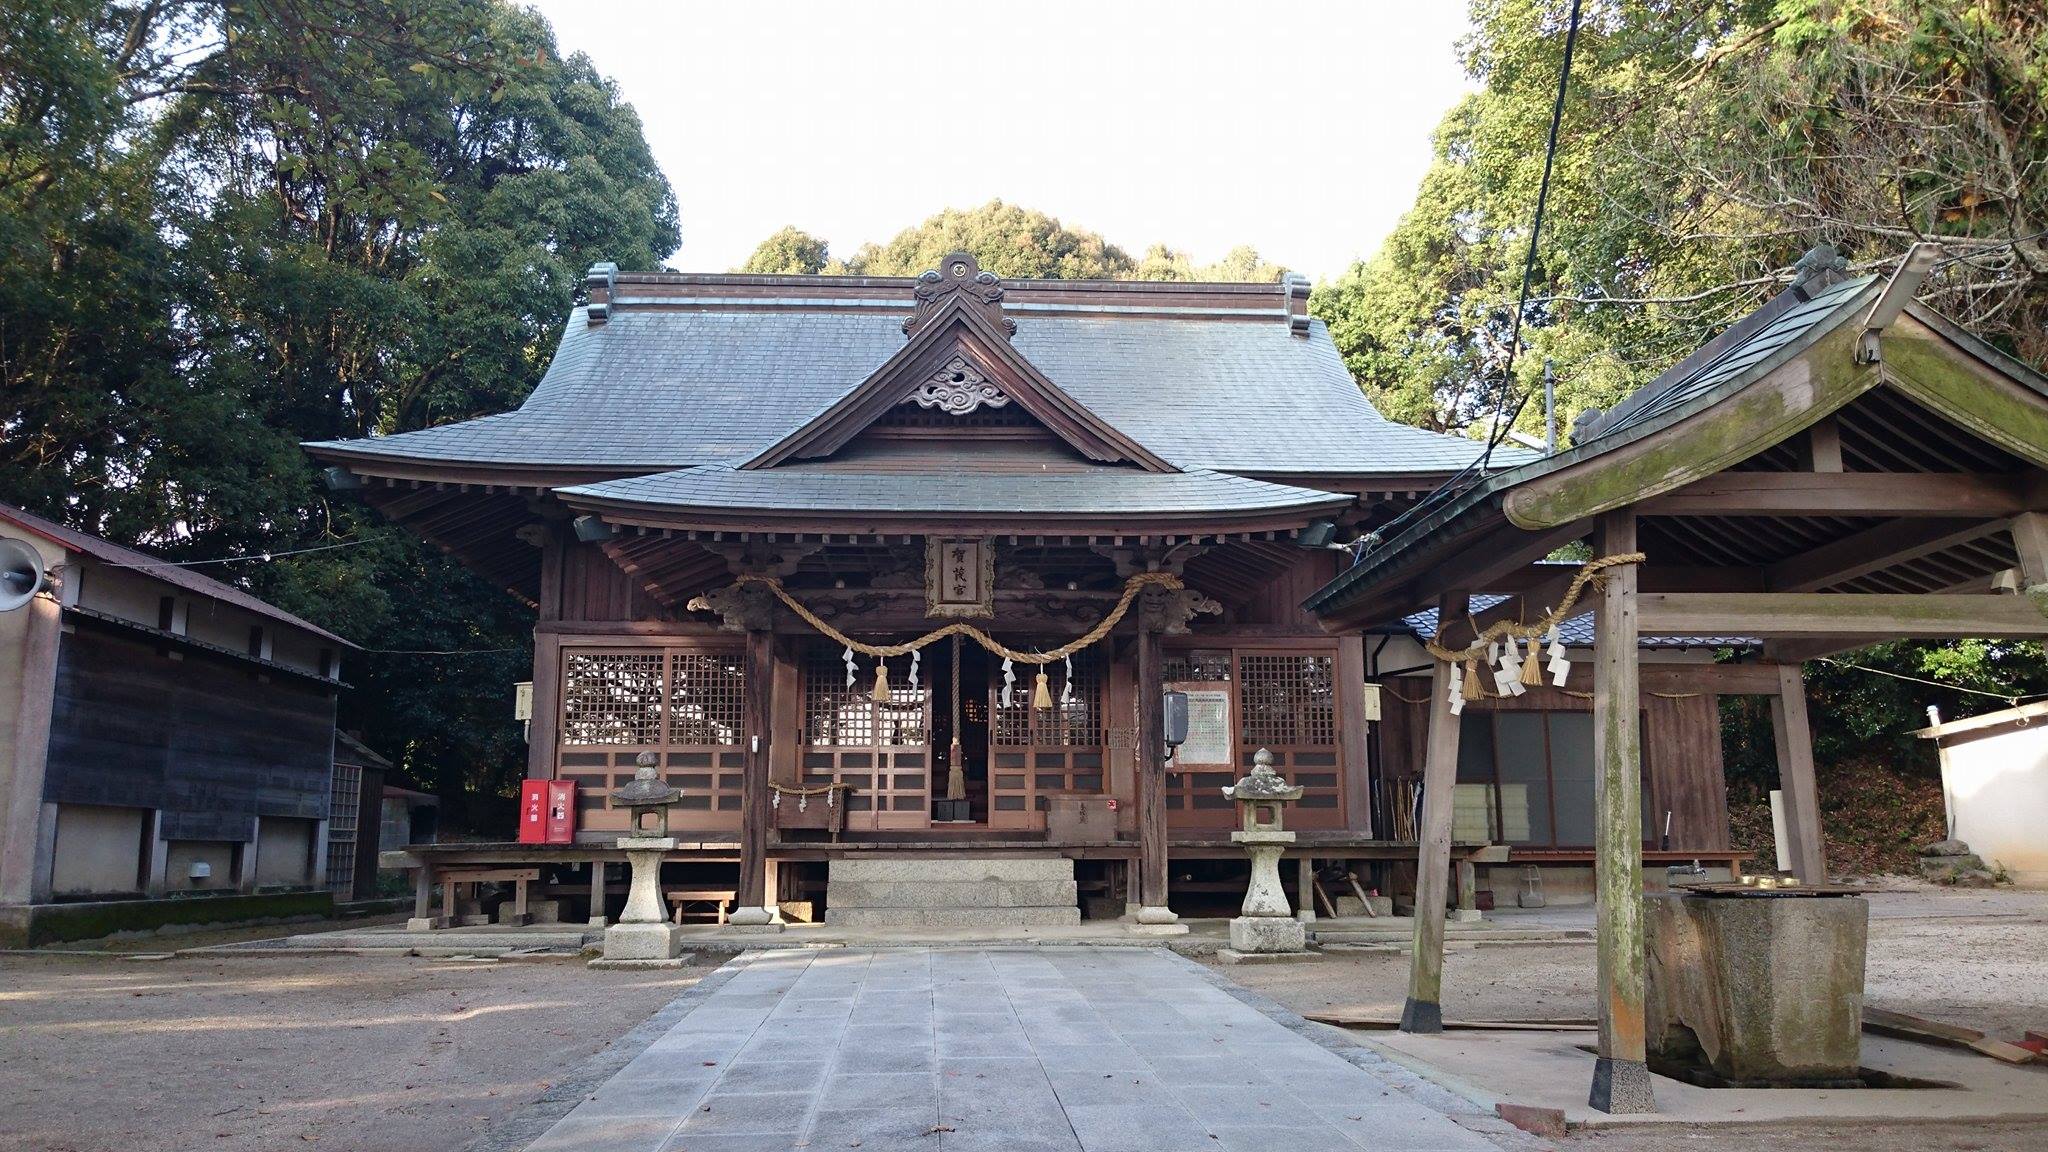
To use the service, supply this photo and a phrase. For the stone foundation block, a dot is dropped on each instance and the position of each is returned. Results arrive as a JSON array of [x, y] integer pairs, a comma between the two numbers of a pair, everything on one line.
[[1268, 934], [642, 942]]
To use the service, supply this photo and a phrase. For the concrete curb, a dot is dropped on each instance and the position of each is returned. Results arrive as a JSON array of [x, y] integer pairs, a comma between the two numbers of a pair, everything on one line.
[[1463, 1109], [525, 1126]]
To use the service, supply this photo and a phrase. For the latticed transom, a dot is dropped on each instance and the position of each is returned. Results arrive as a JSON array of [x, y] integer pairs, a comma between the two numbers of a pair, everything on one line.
[[685, 705]]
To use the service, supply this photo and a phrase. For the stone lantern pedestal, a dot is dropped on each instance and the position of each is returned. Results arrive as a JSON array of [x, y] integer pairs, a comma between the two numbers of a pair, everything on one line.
[[1265, 927], [643, 932]]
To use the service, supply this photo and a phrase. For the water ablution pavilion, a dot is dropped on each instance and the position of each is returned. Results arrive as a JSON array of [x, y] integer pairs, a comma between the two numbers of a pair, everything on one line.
[[886, 575]]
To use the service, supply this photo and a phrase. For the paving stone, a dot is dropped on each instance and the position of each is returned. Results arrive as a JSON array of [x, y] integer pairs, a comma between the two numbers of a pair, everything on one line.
[[605, 1134], [1052, 1051], [748, 1112], [773, 1076]]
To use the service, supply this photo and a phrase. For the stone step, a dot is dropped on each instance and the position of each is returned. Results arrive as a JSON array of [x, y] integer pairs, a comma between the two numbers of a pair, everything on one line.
[[952, 894], [999, 868], [951, 917]]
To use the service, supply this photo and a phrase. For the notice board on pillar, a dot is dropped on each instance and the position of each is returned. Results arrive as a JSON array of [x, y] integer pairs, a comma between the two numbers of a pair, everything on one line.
[[1212, 732]]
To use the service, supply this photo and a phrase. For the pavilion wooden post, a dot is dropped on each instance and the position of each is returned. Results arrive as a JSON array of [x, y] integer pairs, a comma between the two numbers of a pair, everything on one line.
[[1794, 738], [1151, 774], [1423, 1011], [1621, 1077], [750, 904], [2030, 540]]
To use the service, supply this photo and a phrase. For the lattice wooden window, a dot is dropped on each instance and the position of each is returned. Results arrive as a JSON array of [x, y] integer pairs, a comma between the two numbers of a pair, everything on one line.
[[612, 697], [1286, 699], [1285, 703], [878, 749], [1077, 722], [707, 698], [1042, 752], [686, 706], [344, 814], [1209, 665]]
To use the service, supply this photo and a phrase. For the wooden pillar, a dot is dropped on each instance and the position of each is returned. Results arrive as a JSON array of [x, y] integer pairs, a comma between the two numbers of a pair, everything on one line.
[[1305, 890], [1424, 1010], [1151, 773], [543, 730], [750, 906], [40, 628], [1621, 1078], [597, 894], [1794, 738]]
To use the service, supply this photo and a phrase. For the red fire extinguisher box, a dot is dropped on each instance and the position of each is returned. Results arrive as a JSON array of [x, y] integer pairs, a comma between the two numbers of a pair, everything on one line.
[[533, 812], [561, 823]]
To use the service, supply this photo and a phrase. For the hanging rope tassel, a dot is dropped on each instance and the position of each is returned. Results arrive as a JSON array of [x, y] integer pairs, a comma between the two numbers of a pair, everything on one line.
[[1473, 690], [1067, 685], [881, 693], [1041, 691], [1532, 670], [1009, 681]]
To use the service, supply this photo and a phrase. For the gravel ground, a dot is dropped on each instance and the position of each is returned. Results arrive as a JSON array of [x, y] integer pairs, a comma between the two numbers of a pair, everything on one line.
[[343, 1052], [416, 1055], [1973, 958]]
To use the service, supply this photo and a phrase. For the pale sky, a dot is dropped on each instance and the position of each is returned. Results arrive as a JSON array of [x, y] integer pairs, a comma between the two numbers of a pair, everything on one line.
[[1300, 128]]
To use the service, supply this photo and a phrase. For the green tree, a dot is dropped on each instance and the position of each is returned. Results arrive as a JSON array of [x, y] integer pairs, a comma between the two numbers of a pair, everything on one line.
[[311, 218], [791, 251], [1704, 148], [1008, 240]]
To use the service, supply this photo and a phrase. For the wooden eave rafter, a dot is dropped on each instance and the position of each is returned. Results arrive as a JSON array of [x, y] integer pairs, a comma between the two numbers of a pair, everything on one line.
[[960, 329], [801, 523], [378, 469]]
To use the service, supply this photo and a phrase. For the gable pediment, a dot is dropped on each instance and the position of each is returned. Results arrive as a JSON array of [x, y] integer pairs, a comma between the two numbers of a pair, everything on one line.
[[959, 362]]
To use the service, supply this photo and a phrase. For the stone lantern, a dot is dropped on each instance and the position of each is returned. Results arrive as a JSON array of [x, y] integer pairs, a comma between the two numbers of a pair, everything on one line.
[[1265, 925], [643, 932]]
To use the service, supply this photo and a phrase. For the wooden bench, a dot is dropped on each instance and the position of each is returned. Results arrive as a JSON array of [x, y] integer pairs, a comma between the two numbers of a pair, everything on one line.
[[720, 898], [1652, 857], [452, 879]]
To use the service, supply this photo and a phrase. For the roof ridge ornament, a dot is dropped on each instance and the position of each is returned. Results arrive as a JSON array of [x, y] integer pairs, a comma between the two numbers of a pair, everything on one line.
[[959, 276]]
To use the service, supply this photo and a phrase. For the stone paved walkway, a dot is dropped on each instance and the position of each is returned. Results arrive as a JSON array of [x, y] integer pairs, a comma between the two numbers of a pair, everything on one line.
[[1059, 1050]]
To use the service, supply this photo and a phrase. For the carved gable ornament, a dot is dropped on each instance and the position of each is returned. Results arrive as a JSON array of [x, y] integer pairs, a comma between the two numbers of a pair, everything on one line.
[[958, 277], [957, 389]]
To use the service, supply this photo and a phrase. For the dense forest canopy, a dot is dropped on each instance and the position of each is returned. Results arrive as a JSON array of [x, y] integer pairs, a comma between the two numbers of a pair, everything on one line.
[[229, 227], [1704, 147]]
